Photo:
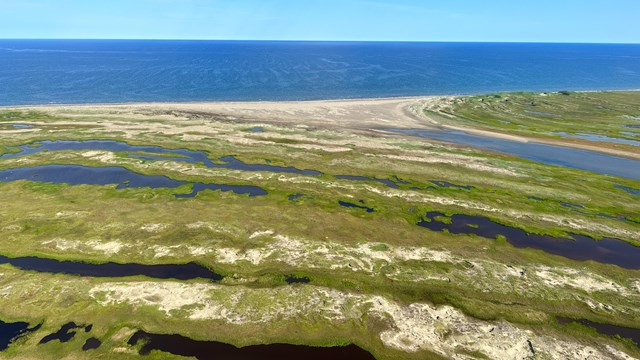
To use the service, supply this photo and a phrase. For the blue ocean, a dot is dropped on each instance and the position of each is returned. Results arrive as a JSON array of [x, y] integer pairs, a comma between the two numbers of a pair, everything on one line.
[[107, 71]]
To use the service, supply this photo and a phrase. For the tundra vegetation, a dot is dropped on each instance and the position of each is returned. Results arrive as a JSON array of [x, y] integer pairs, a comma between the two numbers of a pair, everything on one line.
[[375, 278]]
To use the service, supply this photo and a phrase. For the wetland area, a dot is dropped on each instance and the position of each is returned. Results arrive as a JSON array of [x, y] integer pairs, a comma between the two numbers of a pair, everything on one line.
[[492, 226]]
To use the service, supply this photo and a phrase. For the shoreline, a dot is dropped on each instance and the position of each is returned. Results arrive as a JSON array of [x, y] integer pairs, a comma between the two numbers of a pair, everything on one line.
[[232, 102], [338, 100]]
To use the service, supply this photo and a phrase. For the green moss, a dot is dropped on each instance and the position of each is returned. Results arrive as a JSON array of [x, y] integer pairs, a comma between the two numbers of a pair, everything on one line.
[[545, 115], [379, 247], [443, 219]]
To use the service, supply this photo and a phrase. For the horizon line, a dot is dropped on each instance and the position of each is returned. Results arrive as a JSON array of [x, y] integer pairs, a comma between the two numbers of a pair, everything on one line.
[[333, 41]]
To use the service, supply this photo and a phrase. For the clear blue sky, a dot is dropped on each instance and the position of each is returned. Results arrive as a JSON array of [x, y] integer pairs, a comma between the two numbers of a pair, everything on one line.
[[379, 20]]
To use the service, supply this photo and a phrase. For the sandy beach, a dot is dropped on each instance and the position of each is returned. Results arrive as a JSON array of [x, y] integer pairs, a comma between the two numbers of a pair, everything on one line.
[[353, 114]]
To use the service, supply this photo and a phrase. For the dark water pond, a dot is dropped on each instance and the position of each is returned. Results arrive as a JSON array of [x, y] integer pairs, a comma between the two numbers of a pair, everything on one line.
[[294, 197], [256, 129], [211, 350], [124, 178], [606, 329], [608, 251], [356, 206], [230, 162], [65, 333], [397, 180], [19, 126], [238, 189], [629, 190], [159, 271], [571, 205], [446, 184], [182, 155], [292, 279], [547, 154], [91, 343], [11, 331]]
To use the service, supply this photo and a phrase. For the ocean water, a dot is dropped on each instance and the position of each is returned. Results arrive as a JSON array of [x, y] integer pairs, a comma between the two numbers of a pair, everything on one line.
[[105, 71]]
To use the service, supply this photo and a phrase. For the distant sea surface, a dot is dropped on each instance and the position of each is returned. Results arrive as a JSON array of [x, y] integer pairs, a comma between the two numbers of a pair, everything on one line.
[[108, 71]]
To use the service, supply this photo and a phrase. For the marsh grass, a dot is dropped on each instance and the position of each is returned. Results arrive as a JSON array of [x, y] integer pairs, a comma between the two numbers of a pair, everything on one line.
[[36, 218]]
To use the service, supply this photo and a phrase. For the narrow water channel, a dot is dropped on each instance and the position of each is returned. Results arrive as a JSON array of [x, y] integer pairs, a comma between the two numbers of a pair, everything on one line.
[[151, 153], [580, 247], [213, 350], [547, 154], [11, 331], [159, 271], [123, 178], [606, 329]]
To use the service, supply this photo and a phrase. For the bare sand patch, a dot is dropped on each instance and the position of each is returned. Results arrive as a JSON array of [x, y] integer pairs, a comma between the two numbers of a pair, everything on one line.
[[107, 248], [152, 228], [411, 328], [315, 254], [577, 279], [160, 251], [354, 114]]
